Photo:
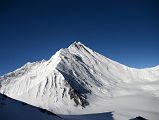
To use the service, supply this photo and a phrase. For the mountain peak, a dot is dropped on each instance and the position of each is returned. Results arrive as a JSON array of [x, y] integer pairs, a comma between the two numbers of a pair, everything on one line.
[[79, 47], [76, 44]]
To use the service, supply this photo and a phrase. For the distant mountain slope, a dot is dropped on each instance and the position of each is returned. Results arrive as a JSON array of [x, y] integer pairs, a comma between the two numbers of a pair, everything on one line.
[[78, 80]]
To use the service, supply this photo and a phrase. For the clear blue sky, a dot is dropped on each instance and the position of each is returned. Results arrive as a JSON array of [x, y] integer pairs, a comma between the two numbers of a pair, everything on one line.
[[124, 30]]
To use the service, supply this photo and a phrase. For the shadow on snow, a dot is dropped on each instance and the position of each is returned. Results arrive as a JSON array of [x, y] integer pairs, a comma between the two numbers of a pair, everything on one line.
[[95, 116]]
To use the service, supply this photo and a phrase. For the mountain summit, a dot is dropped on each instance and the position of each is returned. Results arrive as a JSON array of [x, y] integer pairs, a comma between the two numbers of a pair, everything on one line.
[[77, 79]]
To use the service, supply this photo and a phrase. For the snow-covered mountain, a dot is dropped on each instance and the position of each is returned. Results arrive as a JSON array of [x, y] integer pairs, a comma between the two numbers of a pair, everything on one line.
[[78, 80]]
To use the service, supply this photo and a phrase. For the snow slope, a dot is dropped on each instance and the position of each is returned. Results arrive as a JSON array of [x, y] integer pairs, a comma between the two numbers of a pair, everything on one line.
[[78, 80], [11, 109], [14, 110]]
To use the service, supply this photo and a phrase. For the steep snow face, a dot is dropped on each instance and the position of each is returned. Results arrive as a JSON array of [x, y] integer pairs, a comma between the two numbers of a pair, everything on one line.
[[75, 78]]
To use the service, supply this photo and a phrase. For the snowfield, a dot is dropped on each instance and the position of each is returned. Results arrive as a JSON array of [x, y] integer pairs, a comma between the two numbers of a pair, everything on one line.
[[78, 83]]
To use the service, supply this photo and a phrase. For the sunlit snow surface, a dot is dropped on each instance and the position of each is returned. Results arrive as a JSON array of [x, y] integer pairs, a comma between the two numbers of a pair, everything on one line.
[[78, 83]]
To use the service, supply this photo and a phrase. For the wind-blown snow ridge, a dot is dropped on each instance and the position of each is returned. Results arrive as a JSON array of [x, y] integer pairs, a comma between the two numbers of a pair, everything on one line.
[[78, 80]]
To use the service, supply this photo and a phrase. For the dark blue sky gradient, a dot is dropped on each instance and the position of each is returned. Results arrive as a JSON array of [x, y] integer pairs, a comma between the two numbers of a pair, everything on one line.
[[126, 31]]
